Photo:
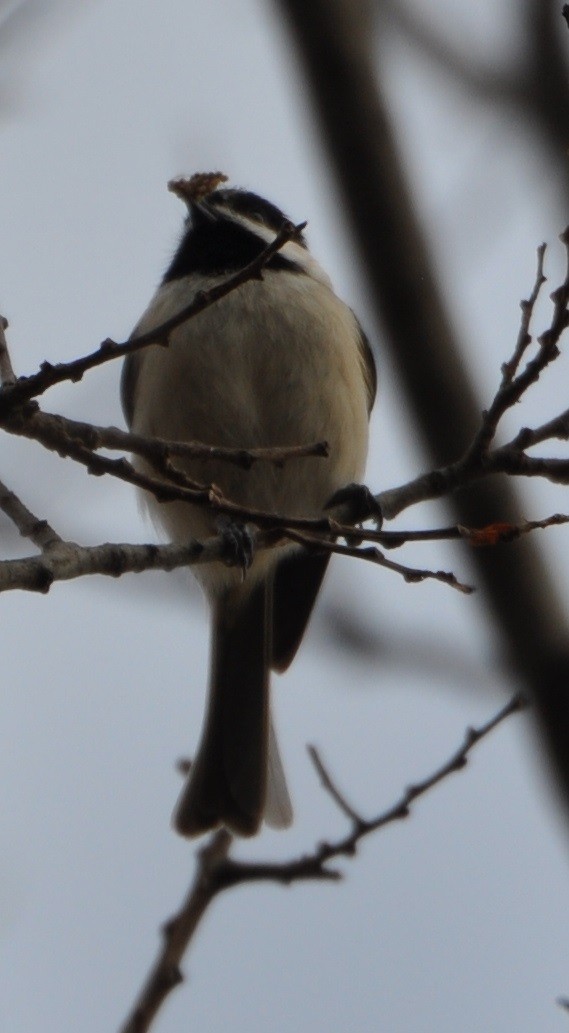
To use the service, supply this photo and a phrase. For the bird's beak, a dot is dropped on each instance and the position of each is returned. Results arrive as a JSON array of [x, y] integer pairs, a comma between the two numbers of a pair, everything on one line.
[[202, 211]]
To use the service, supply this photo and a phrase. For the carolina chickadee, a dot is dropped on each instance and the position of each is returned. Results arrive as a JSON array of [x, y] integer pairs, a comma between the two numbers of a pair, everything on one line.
[[280, 361]]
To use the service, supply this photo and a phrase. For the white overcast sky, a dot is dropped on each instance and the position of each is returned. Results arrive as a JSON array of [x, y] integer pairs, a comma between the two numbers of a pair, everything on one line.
[[455, 920]]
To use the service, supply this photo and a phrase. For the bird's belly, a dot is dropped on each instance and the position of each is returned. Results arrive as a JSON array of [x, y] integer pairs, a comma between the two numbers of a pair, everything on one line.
[[259, 370]]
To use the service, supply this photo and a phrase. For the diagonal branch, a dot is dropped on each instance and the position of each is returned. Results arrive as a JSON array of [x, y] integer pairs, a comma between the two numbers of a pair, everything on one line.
[[177, 933], [38, 531], [26, 388]]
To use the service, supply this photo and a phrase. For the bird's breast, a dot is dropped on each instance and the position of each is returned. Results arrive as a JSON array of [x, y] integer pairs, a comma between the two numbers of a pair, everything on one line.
[[275, 363]]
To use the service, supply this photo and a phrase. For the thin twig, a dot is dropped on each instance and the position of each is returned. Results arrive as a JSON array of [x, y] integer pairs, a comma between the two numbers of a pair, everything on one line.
[[557, 428], [495, 533], [7, 375], [510, 368], [330, 786], [513, 384]]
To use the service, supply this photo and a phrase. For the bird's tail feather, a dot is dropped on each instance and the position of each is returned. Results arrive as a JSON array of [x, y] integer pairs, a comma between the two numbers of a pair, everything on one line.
[[278, 808], [228, 781]]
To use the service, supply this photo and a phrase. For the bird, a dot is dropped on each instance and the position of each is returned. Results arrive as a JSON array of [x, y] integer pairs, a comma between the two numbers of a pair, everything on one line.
[[279, 361]]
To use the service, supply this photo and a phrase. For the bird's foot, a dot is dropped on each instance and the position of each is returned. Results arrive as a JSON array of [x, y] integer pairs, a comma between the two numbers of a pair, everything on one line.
[[357, 504], [238, 546]]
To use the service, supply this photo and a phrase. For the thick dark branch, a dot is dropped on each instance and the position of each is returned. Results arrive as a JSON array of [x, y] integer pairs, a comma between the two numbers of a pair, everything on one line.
[[339, 55], [536, 85]]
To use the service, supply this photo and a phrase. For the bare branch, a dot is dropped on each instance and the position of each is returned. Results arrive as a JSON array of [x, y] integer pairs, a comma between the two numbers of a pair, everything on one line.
[[319, 534], [217, 871], [442, 482], [51, 431]]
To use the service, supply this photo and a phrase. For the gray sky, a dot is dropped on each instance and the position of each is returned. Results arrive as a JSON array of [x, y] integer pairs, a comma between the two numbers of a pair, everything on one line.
[[456, 919]]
